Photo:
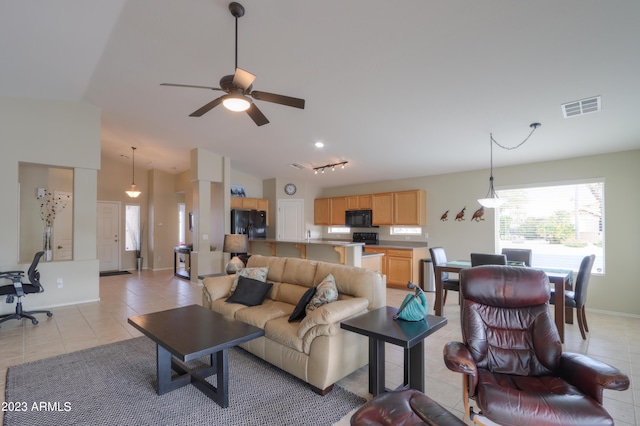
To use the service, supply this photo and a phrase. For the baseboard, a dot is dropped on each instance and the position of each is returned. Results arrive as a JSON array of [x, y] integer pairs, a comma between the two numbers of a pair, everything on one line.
[[613, 313]]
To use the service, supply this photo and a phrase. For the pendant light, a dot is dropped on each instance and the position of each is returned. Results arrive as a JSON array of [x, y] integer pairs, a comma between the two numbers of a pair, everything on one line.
[[492, 201], [133, 192]]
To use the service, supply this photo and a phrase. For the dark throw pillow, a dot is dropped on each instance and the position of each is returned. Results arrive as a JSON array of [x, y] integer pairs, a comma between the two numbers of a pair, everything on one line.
[[249, 292], [300, 311]]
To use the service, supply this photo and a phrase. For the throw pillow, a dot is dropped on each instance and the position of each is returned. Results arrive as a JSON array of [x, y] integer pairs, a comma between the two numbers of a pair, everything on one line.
[[326, 292], [259, 274], [250, 292], [300, 311]]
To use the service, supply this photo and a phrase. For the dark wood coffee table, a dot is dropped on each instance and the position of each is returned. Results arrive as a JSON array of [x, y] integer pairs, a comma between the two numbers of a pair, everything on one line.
[[188, 333], [380, 327]]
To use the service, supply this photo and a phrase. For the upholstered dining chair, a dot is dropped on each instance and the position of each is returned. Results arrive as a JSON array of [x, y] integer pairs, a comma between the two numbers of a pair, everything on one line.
[[578, 297], [518, 255], [14, 287], [438, 258], [511, 356], [479, 259]]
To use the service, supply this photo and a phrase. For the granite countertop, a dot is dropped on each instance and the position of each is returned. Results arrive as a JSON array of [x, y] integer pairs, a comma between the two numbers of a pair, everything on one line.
[[313, 241], [401, 244]]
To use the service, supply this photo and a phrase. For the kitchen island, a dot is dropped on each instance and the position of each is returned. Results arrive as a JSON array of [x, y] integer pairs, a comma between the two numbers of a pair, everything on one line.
[[334, 251]]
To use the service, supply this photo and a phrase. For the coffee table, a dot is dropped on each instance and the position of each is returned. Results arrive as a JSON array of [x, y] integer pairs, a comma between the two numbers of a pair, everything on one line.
[[380, 327], [188, 333]]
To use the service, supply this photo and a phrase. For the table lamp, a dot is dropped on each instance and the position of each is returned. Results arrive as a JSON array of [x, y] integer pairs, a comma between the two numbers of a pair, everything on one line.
[[235, 244]]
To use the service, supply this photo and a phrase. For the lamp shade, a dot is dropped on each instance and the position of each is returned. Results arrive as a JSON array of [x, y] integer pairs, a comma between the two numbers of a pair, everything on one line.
[[236, 243]]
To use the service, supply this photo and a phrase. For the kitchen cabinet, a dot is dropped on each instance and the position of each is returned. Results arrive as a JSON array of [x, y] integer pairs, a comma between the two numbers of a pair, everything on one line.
[[400, 265], [359, 202], [382, 206], [321, 211], [329, 211], [251, 204], [410, 207]]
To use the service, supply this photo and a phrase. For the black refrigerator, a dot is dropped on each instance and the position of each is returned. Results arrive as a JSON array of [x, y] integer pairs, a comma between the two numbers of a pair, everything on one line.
[[250, 222]]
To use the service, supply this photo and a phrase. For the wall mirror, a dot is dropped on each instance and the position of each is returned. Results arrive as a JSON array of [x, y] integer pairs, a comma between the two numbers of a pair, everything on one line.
[[46, 212]]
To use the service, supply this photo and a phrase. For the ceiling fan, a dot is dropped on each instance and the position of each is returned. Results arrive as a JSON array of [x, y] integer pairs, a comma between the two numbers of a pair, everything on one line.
[[238, 88]]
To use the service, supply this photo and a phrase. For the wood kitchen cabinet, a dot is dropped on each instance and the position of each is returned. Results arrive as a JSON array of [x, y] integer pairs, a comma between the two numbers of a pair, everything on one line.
[[322, 211], [382, 206], [329, 211], [359, 202], [400, 265], [251, 204], [410, 207]]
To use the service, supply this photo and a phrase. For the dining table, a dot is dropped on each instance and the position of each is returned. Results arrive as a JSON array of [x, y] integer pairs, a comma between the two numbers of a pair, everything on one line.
[[560, 278]]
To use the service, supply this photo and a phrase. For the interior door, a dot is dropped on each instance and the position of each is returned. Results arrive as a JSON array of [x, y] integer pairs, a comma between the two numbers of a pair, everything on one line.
[[290, 219], [63, 229], [108, 238]]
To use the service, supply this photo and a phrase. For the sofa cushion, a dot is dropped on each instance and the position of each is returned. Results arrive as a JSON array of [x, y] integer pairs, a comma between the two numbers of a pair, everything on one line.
[[301, 308], [326, 292], [283, 332], [276, 265], [260, 315], [249, 292], [259, 274]]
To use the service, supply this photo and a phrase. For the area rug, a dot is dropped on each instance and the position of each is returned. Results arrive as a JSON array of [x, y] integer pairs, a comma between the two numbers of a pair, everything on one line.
[[115, 384], [112, 273]]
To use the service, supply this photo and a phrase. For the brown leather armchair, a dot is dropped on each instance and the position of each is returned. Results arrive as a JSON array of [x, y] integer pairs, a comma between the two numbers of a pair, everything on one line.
[[511, 357]]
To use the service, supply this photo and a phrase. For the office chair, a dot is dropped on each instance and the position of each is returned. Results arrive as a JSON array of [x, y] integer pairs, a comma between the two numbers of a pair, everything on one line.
[[20, 289], [511, 357], [479, 259]]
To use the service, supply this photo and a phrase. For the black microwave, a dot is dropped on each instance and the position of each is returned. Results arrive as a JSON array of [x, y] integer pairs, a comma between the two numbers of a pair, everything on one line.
[[358, 218]]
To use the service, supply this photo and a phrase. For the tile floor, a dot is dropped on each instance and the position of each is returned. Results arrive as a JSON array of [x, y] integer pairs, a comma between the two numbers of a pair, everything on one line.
[[612, 339]]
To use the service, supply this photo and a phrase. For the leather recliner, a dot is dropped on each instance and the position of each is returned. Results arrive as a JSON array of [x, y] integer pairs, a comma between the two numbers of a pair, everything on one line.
[[511, 356]]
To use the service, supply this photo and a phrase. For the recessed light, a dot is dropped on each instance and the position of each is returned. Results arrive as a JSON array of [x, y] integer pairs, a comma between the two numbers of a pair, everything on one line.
[[319, 145]]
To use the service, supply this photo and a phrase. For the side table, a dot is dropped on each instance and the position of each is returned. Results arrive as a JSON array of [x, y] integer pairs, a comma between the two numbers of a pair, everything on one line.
[[380, 327]]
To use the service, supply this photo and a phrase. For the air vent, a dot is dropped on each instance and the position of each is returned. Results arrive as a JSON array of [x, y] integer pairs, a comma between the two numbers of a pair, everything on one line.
[[585, 106], [296, 166]]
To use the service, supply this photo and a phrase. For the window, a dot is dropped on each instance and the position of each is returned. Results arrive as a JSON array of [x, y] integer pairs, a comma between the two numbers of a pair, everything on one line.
[[339, 230], [406, 230], [181, 224], [132, 227], [560, 223]]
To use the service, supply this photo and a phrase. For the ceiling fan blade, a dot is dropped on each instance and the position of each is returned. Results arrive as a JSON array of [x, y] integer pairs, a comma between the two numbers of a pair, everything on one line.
[[189, 85], [208, 107], [256, 115], [278, 99], [243, 78]]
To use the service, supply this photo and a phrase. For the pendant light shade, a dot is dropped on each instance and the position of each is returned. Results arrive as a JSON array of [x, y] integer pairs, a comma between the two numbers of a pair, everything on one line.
[[133, 192]]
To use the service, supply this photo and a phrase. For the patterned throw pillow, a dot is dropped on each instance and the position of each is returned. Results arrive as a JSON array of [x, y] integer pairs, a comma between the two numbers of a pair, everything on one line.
[[259, 274], [326, 292]]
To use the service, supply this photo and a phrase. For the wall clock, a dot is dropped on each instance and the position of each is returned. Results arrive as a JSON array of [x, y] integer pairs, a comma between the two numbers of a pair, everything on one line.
[[289, 189]]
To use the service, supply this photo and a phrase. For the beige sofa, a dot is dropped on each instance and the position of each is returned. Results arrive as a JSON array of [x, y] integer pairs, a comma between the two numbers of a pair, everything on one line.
[[315, 349]]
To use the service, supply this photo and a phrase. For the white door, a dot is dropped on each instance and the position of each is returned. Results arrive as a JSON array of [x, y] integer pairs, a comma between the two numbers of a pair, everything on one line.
[[290, 219], [108, 239], [63, 229]]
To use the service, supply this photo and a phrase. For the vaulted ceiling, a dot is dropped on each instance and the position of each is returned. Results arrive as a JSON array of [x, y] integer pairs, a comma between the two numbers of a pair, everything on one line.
[[397, 89]]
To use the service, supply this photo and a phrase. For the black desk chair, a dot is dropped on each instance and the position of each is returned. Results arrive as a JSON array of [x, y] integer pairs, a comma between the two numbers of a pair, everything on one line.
[[19, 289], [518, 255], [479, 259]]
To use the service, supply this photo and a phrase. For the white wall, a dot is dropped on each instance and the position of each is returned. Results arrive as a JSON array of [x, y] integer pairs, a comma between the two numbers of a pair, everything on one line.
[[62, 134], [618, 290]]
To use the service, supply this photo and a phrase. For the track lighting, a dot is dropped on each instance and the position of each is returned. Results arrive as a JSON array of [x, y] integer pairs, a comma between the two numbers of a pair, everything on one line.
[[331, 166]]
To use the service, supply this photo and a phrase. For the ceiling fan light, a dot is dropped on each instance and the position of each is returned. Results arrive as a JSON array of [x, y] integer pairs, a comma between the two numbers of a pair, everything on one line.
[[236, 102]]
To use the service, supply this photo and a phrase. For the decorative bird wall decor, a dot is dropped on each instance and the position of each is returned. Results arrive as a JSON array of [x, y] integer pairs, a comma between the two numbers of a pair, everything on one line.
[[445, 215], [477, 215], [460, 215]]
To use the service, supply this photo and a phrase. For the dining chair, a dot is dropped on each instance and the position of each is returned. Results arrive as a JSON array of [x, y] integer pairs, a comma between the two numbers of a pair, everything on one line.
[[479, 259], [439, 258], [518, 255], [578, 297]]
